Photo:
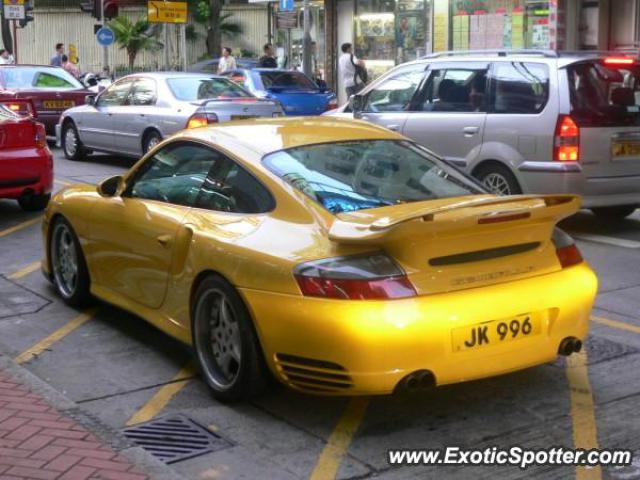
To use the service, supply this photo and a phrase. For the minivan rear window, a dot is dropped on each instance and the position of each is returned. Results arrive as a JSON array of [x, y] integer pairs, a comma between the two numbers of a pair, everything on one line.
[[604, 95]]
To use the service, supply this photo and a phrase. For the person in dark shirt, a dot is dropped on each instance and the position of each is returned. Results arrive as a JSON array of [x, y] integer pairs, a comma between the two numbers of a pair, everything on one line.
[[267, 60]]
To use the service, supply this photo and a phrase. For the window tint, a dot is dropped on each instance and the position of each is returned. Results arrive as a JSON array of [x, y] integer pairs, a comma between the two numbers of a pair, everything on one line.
[[143, 92], [456, 90], [348, 176], [30, 77], [189, 89], [395, 93], [175, 174], [287, 80], [117, 94], [519, 87]]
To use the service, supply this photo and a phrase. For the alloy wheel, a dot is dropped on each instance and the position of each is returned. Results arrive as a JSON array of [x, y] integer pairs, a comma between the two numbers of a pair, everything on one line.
[[65, 260], [497, 184], [70, 141]]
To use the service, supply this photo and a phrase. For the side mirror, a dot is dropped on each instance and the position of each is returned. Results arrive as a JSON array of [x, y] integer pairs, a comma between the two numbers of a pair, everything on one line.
[[356, 104], [111, 186], [90, 100]]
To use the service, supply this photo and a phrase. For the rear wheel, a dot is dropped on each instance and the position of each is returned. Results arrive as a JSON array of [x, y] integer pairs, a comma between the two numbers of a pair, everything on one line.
[[225, 341], [151, 139], [614, 213], [68, 266], [498, 179], [71, 144], [34, 203]]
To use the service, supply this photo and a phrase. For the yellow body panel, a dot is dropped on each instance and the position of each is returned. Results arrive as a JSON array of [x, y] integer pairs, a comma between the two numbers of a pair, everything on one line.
[[372, 344]]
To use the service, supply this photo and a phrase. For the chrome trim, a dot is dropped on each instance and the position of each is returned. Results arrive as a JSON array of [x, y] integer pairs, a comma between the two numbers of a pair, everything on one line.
[[559, 167]]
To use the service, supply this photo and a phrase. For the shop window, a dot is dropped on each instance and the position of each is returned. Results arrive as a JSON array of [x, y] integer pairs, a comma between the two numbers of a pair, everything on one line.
[[395, 93], [455, 90], [519, 87]]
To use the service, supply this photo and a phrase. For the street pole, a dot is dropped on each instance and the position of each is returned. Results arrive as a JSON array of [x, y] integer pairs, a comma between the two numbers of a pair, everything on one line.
[[15, 41], [105, 50], [167, 60], [306, 42]]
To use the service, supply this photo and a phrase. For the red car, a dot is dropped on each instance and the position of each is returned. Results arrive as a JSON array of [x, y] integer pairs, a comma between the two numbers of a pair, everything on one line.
[[26, 163], [51, 90]]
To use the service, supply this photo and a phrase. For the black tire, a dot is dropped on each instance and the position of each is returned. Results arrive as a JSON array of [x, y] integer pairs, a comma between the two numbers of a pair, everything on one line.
[[79, 294], [498, 179], [614, 213], [34, 203], [72, 146], [243, 378], [151, 139]]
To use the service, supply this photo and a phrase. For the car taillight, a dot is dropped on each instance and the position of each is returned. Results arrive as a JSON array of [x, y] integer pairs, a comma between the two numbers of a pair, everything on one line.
[[618, 61], [19, 107], [566, 146], [566, 249], [201, 119], [362, 277], [40, 135], [332, 104]]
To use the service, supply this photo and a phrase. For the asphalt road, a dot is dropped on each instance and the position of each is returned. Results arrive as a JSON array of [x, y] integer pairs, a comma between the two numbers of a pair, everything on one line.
[[124, 371]]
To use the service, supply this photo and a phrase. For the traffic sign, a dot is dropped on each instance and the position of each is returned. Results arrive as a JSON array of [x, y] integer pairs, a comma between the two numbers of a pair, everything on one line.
[[160, 11], [14, 9], [286, 5], [105, 36]]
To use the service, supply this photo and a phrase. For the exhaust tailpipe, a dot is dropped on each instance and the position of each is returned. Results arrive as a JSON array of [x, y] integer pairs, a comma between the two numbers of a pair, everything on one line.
[[418, 381], [569, 345]]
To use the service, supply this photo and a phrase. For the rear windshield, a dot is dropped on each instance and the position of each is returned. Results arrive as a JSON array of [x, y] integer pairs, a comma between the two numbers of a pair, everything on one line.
[[39, 78], [189, 89], [604, 95], [349, 176], [287, 80]]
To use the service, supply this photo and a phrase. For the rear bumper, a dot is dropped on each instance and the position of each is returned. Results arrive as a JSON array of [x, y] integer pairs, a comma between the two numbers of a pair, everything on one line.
[[26, 171], [50, 120], [375, 343]]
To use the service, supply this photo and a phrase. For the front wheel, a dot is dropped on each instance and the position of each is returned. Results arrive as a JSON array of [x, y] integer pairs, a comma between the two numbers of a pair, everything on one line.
[[70, 274], [498, 179], [225, 341], [34, 203], [71, 144], [614, 213]]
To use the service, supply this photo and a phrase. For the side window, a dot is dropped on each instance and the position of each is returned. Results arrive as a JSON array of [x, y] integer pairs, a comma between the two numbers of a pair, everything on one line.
[[49, 80], [115, 95], [143, 92], [395, 93], [519, 87], [175, 174], [455, 90], [230, 188]]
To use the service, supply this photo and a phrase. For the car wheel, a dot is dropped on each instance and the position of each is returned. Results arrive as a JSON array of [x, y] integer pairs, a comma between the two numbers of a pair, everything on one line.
[[614, 213], [498, 179], [71, 144], [225, 341], [70, 274], [151, 139], [34, 203]]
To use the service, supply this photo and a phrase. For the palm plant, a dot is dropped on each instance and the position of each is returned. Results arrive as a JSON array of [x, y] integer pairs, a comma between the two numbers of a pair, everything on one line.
[[135, 37]]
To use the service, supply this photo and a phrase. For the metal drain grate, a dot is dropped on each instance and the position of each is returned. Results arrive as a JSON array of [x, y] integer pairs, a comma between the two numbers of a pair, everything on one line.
[[174, 438]]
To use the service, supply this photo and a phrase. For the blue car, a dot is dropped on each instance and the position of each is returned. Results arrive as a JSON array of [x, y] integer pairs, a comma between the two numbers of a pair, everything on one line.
[[298, 94]]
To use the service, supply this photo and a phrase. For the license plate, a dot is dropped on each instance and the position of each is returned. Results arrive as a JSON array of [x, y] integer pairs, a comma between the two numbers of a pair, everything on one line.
[[495, 332], [625, 150], [58, 103], [243, 117]]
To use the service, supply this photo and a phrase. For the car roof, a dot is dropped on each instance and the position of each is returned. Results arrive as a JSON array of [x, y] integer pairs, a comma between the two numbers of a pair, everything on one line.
[[165, 75]]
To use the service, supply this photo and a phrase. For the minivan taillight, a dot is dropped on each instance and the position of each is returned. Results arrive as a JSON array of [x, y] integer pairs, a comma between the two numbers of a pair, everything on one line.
[[361, 277], [201, 119], [566, 249], [566, 143]]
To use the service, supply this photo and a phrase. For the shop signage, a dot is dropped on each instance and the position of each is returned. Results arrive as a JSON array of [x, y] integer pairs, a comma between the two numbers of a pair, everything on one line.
[[159, 11], [14, 9], [285, 20]]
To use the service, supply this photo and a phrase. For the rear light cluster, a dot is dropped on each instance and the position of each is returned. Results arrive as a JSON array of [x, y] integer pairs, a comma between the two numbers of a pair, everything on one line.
[[566, 249], [566, 146], [368, 277], [40, 135], [201, 119], [332, 104], [19, 107]]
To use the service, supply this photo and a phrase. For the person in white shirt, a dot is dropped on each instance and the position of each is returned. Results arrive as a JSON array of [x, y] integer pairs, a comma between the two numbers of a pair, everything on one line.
[[347, 70], [6, 58], [227, 62]]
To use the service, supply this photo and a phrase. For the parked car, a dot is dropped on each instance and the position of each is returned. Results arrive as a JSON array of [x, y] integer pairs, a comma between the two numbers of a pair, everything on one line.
[[135, 113], [211, 65], [26, 163], [333, 253], [298, 94], [50, 90], [522, 121]]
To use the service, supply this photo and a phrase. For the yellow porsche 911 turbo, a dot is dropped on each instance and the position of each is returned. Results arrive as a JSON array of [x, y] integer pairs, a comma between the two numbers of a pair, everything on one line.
[[338, 256]]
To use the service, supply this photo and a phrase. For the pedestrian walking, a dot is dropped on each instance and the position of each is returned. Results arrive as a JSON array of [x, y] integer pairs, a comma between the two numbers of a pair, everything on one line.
[[268, 60], [351, 70], [227, 61], [6, 58], [56, 60], [70, 67]]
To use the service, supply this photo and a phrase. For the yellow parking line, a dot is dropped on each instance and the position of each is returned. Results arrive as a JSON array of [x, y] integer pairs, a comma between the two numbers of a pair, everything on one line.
[[163, 396], [585, 434], [616, 324], [339, 441], [23, 272], [20, 226], [56, 336]]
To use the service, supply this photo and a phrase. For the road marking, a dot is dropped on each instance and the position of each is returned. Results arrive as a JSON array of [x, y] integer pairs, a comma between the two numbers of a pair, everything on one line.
[[618, 242], [163, 396], [62, 182], [20, 226], [340, 439], [616, 324], [56, 336], [585, 434], [23, 272]]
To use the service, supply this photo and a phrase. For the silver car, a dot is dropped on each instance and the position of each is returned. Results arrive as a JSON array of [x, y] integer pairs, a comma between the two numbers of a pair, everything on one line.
[[135, 113], [522, 121]]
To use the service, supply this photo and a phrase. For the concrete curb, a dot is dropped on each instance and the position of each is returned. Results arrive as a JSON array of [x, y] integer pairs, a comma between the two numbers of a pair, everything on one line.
[[147, 463]]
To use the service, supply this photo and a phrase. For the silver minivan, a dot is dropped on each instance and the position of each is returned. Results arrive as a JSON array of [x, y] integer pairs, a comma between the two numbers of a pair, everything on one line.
[[522, 121]]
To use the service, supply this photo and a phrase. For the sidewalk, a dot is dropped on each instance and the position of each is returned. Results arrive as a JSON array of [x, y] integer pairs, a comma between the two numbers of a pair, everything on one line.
[[43, 435]]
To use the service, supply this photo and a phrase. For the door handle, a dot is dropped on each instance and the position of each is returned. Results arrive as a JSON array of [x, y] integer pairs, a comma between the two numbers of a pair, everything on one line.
[[470, 131], [393, 128], [164, 240]]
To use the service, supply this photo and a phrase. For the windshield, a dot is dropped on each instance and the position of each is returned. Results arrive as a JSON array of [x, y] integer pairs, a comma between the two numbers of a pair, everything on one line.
[[604, 95], [287, 80], [33, 77], [349, 176], [189, 89]]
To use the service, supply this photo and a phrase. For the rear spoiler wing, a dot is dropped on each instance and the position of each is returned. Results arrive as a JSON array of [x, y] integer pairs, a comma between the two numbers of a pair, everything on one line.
[[556, 206]]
